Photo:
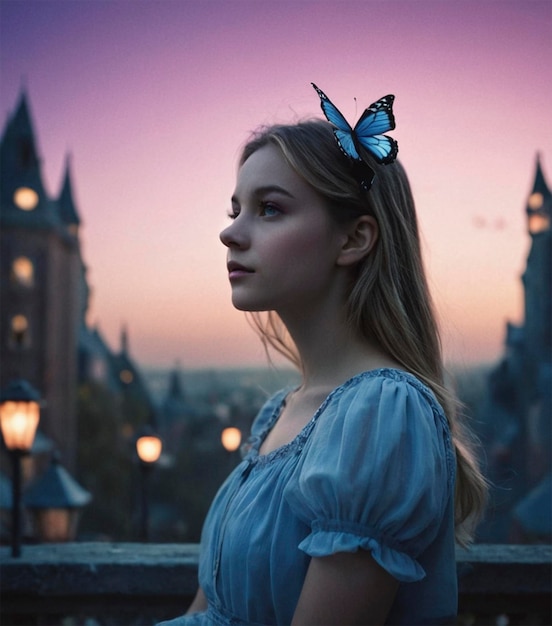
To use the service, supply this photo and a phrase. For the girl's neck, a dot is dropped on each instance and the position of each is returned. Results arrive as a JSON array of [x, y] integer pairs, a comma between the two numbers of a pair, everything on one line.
[[331, 352]]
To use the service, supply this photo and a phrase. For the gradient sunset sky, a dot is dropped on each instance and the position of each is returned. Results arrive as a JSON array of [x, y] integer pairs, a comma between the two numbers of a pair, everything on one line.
[[153, 99]]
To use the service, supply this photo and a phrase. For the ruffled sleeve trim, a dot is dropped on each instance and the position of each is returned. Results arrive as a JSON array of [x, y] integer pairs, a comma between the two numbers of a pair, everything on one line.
[[330, 537]]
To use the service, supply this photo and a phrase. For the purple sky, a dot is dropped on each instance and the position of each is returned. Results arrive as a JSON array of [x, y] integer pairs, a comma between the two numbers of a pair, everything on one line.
[[153, 100]]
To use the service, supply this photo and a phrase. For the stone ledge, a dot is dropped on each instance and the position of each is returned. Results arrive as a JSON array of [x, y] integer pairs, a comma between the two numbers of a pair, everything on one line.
[[160, 579], [77, 569]]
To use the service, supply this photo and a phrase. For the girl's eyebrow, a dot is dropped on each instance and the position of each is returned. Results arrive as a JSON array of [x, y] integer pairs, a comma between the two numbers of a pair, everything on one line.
[[259, 191]]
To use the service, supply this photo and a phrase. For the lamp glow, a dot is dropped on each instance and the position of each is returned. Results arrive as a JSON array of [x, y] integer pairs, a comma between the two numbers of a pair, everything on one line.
[[19, 421], [149, 448], [19, 415], [231, 438]]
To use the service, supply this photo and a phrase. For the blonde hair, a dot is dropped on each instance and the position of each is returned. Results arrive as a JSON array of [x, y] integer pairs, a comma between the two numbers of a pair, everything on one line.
[[389, 301]]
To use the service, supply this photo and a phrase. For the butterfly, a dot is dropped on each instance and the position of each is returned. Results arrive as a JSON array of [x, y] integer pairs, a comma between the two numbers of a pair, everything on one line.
[[378, 118]]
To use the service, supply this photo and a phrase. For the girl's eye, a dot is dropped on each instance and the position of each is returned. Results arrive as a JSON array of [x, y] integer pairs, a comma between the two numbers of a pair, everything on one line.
[[269, 210], [233, 213]]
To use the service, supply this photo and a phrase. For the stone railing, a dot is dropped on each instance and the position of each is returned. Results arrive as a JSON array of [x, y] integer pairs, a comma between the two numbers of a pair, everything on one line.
[[140, 584]]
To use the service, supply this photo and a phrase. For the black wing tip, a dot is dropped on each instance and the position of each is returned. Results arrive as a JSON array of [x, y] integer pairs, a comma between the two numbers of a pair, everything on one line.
[[320, 93], [392, 156]]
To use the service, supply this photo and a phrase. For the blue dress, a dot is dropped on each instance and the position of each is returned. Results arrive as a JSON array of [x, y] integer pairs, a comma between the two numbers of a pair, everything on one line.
[[374, 469]]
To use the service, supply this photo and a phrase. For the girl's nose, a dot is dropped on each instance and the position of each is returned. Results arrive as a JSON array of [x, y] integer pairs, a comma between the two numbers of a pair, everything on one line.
[[233, 236]]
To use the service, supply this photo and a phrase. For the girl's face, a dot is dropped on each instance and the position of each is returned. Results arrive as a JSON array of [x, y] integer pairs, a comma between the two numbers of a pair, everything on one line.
[[282, 243]]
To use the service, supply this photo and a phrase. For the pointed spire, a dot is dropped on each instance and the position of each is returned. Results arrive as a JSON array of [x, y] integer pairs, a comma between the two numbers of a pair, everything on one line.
[[19, 153], [21, 164], [22, 117], [175, 384], [539, 203], [540, 186], [124, 340], [67, 209]]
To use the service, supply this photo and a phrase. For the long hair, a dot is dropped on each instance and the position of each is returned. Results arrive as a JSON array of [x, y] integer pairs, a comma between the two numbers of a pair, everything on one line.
[[389, 301]]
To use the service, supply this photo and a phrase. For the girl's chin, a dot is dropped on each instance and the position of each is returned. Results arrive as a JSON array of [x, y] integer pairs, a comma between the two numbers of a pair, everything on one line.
[[248, 307]]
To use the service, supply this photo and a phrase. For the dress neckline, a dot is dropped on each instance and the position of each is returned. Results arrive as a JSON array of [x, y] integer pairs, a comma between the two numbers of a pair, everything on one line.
[[297, 443]]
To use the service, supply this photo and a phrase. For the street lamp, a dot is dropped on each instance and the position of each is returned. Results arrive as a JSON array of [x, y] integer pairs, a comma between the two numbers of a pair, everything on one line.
[[231, 438], [148, 448], [55, 500], [19, 416]]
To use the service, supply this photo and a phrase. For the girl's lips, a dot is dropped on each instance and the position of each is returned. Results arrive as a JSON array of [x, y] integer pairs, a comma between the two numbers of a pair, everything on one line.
[[236, 270]]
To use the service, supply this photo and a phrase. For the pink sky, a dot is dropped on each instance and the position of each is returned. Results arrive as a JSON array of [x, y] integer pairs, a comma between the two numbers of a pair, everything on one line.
[[153, 100]]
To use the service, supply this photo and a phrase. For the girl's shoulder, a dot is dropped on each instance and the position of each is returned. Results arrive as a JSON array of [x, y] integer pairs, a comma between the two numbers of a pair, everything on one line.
[[390, 386], [384, 409], [377, 471]]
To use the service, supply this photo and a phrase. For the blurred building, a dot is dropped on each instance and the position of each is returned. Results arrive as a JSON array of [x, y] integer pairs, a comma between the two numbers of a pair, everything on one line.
[[517, 416], [42, 281], [44, 336]]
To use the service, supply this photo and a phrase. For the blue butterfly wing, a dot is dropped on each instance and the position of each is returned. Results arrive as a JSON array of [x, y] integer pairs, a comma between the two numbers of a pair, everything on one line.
[[382, 147], [378, 118], [343, 131], [331, 112], [346, 143]]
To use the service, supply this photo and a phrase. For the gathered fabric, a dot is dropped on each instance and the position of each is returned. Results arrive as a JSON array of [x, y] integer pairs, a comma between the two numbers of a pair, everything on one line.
[[374, 469]]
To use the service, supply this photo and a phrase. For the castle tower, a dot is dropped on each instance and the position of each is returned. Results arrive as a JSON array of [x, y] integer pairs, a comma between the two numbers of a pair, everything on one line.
[[41, 276], [537, 278], [516, 418], [537, 344]]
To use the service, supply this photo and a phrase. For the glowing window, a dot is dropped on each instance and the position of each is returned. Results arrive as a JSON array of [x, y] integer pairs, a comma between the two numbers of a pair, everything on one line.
[[126, 376], [538, 222], [535, 200], [23, 271], [25, 198], [19, 327]]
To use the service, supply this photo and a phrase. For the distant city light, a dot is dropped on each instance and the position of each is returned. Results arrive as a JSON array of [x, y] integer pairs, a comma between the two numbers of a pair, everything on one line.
[[126, 376]]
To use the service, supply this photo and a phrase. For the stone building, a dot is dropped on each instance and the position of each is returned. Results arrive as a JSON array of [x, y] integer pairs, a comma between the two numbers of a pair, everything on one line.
[[517, 416], [44, 294], [42, 281]]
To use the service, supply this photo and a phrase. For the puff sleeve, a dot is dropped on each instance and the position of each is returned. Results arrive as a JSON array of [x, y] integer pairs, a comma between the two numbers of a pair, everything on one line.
[[376, 474]]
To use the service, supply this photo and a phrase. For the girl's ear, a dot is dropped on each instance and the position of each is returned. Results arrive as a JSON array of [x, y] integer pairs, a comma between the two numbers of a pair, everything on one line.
[[358, 240]]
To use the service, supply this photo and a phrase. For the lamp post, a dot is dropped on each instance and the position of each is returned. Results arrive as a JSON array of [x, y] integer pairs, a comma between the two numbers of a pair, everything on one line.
[[19, 416], [55, 500], [148, 448]]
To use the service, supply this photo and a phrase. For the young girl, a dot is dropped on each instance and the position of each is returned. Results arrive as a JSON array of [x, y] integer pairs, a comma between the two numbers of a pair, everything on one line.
[[353, 485]]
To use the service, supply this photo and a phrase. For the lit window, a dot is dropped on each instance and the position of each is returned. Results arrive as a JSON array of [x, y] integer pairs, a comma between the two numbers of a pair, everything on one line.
[[535, 200], [538, 222], [23, 271], [19, 327], [25, 198], [126, 376]]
